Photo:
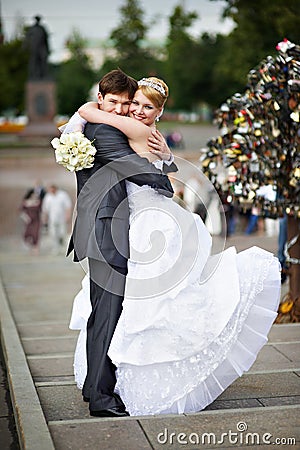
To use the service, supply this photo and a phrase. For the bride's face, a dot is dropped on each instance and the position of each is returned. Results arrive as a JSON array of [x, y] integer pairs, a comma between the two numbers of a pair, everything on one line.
[[142, 109]]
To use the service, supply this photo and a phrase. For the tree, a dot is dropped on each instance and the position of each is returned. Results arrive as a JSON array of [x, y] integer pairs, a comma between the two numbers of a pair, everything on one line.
[[13, 75], [260, 149], [259, 23], [207, 88], [181, 65], [128, 42], [207, 68], [75, 76]]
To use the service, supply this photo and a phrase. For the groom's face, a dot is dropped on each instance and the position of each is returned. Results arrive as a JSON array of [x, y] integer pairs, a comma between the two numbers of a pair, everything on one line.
[[115, 103]]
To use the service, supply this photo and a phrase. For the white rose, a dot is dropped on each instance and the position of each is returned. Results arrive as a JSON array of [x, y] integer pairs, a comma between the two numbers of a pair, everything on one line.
[[55, 142], [70, 167], [91, 150]]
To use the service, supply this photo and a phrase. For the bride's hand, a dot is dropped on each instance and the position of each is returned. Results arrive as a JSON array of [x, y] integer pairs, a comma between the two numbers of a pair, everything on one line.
[[158, 146]]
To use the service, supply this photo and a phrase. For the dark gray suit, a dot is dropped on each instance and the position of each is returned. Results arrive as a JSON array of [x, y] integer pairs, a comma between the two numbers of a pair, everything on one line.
[[101, 234]]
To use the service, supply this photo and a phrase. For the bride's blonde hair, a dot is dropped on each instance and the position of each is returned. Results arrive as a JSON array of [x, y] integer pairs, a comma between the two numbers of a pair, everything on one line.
[[155, 90]]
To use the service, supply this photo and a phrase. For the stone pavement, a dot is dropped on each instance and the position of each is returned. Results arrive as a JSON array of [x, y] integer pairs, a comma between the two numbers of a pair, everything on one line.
[[36, 297], [8, 433]]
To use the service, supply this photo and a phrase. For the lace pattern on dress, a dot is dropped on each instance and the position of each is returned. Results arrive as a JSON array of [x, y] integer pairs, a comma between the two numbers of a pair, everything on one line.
[[153, 387]]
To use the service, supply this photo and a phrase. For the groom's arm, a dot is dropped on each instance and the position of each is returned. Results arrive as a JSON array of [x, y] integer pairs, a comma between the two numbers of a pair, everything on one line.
[[113, 149]]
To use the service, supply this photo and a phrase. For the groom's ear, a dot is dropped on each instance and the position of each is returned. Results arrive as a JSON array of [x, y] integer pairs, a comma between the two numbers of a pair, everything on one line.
[[100, 98]]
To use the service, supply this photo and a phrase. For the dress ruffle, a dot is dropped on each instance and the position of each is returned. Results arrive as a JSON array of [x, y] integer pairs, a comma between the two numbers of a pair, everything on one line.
[[191, 384], [81, 311]]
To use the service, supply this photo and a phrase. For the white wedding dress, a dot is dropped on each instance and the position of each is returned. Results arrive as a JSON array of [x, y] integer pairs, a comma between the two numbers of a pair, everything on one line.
[[191, 323]]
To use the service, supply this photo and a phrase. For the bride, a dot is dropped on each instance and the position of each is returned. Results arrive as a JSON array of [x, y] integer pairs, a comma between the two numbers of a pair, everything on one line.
[[191, 322]]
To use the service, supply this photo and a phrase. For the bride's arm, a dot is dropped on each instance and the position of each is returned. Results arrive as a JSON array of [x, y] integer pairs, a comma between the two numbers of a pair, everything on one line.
[[137, 132]]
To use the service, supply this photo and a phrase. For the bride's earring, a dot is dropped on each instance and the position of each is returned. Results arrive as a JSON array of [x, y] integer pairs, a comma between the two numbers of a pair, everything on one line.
[[159, 115]]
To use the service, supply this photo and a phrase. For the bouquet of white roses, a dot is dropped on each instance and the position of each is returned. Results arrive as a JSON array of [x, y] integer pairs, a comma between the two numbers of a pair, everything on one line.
[[74, 151]]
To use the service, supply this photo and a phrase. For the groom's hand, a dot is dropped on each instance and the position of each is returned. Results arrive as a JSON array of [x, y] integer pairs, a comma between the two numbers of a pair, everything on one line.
[[158, 146]]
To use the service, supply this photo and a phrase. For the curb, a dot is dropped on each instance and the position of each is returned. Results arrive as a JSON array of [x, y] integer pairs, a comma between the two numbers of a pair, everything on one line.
[[31, 425]]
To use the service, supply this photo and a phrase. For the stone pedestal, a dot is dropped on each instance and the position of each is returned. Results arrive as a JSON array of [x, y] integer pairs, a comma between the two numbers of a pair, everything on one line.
[[40, 109]]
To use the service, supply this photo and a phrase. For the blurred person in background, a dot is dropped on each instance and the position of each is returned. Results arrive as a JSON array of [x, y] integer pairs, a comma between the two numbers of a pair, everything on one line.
[[282, 240], [30, 213], [57, 209]]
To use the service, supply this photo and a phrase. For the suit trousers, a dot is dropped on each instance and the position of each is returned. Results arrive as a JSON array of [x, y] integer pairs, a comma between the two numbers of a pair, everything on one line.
[[107, 285]]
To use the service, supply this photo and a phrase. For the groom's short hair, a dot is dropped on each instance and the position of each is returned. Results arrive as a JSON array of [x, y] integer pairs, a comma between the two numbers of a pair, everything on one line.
[[117, 82]]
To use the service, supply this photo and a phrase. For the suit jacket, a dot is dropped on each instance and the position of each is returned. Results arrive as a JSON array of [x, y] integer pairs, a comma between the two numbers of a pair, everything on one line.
[[102, 225]]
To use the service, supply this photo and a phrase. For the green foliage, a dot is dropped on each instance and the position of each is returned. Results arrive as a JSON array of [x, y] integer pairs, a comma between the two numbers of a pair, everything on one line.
[[13, 75], [212, 67], [179, 22], [129, 35], [215, 66], [76, 45], [268, 21], [74, 81], [128, 40], [260, 25], [207, 87], [74, 77], [182, 64]]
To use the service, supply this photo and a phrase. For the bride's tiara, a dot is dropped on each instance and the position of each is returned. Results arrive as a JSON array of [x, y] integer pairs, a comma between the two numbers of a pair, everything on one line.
[[152, 84]]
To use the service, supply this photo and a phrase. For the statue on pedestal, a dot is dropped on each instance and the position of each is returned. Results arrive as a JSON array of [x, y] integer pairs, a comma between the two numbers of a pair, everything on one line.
[[40, 100], [36, 41]]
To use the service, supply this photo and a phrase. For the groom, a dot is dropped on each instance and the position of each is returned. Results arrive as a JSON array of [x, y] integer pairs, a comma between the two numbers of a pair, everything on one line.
[[101, 234]]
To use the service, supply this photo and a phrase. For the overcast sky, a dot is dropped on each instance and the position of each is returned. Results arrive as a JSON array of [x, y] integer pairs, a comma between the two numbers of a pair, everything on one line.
[[96, 18]]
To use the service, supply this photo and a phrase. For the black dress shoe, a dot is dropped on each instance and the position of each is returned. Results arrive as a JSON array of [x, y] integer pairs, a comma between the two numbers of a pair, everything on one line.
[[111, 412], [87, 399]]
